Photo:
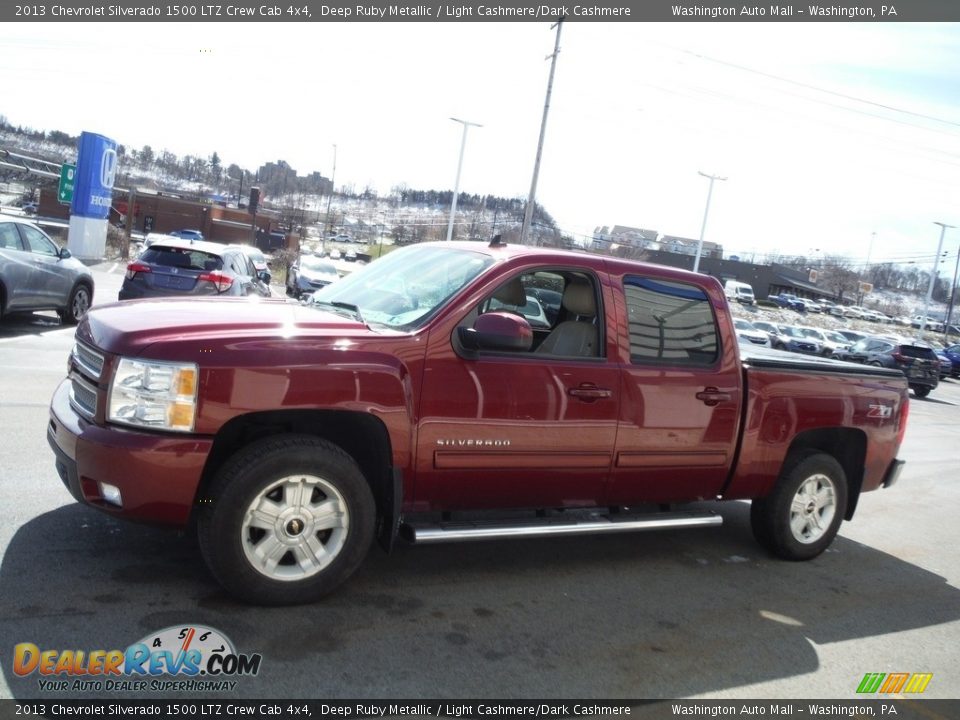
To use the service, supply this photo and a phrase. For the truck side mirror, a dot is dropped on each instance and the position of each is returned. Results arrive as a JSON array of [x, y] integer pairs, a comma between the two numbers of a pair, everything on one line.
[[498, 331]]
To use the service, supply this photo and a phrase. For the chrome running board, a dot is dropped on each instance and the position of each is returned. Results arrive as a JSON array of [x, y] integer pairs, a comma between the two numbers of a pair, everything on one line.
[[426, 533]]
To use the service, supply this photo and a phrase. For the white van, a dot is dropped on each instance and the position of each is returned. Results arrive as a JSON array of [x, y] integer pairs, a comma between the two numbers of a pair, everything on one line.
[[739, 291]]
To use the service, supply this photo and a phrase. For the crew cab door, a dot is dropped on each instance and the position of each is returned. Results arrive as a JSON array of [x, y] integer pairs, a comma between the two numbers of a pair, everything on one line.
[[529, 428], [681, 403]]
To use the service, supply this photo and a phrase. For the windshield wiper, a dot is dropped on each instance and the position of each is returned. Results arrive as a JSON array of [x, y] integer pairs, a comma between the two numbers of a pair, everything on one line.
[[349, 307]]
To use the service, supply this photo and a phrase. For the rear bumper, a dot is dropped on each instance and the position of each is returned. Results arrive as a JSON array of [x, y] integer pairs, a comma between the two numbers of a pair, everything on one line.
[[157, 474], [893, 472]]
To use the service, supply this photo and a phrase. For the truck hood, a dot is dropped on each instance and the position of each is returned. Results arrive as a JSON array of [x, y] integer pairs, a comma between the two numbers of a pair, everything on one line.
[[128, 328]]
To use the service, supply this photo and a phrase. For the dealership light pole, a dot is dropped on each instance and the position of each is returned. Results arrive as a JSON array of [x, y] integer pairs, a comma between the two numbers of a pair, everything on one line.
[[933, 278], [953, 295], [333, 177], [706, 212], [456, 183]]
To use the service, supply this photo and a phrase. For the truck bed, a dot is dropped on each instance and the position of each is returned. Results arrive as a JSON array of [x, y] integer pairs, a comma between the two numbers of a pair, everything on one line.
[[769, 359]]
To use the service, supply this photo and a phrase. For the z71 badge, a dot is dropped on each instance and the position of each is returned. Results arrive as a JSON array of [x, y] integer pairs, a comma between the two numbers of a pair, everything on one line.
[[879, 411]]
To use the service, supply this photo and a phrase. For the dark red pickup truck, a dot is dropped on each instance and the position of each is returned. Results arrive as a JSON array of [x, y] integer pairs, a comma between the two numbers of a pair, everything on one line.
[[460, 391]]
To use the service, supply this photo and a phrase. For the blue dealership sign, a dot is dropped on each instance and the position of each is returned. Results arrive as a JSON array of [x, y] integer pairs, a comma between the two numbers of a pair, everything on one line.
[[96, 170]]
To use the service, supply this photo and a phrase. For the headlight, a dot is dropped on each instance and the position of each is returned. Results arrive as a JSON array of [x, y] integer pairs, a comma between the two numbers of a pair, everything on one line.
[[154, 394]]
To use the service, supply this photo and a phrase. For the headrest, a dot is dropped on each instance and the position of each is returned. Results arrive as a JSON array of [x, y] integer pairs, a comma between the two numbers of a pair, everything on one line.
[[512, 293], [578, 298]]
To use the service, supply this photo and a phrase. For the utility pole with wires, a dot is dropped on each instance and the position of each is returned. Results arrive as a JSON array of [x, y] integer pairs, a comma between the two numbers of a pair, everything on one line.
[[531, 201], [933, 279]]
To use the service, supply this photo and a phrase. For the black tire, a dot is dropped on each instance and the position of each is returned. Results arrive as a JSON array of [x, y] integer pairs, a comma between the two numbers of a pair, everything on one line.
[[921, 391], [77, 305], [268, 472], [770, 517]]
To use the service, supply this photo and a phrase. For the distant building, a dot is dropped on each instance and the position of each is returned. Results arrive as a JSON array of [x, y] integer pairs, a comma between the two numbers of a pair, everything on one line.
[[765, 280], [688, 246], [624, 236], [161, 213]]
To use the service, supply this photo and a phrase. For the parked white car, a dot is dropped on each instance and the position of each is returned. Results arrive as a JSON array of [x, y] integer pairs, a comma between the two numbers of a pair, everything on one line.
[[749, 335]]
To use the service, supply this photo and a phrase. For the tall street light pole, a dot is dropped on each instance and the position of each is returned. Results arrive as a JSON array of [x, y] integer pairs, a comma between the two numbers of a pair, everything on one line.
[[456, 183], [531, 201], [333, 178], [706, 212], [866, 268], [953, 294], [933, 278]]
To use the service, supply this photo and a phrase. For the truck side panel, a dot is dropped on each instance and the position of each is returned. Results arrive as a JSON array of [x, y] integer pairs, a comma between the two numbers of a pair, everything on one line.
[[784, 407]]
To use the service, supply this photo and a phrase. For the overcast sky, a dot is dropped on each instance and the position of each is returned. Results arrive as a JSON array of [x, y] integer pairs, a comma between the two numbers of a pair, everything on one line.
[[827, 132]]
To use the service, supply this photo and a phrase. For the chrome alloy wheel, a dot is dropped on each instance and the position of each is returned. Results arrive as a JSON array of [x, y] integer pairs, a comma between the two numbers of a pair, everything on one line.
[[294, 528], [813, 508]]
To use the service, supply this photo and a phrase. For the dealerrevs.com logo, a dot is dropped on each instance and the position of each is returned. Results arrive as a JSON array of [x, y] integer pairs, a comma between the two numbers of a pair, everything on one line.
[[178, 658], [891, 683]]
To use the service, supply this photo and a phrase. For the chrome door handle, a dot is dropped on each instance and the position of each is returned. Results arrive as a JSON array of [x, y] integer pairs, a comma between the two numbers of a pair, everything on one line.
[[711, 396], [589, 392]]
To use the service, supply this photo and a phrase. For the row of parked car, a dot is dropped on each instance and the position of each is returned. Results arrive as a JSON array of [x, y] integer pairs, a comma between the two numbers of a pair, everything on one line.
[[792, 302], [924, 364], [855, 312]]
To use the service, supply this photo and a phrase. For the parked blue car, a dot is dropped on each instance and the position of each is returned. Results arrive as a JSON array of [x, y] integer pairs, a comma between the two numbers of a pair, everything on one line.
[[791, 302], [952, 354]]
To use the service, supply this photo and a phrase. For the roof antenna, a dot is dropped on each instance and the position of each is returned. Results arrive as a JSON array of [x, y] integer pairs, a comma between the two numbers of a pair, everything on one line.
[[497, 241]]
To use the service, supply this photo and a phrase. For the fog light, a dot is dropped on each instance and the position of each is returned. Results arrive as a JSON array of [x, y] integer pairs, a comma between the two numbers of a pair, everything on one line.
[[111, 493]]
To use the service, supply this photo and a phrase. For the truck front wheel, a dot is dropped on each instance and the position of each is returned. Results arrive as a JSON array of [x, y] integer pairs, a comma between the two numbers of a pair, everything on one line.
[[800, 517], [286, 520]]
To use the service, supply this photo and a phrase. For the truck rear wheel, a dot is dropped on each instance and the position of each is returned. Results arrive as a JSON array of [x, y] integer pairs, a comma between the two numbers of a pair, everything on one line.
[[801, 516], [290, 518]]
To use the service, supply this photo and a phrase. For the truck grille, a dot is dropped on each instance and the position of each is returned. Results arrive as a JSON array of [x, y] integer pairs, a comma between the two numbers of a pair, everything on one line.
[[88, 359], [83, 397]]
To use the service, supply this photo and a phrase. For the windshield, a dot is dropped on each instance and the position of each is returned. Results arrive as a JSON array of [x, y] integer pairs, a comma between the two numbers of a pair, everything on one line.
[[791, 332], [402, 289]]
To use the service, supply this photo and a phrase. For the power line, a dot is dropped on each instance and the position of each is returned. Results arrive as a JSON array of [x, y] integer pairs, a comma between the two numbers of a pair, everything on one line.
[[809, 86]]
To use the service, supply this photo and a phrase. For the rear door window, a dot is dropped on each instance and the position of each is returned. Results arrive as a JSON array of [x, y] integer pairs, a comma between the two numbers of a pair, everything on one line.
[[670, 322]]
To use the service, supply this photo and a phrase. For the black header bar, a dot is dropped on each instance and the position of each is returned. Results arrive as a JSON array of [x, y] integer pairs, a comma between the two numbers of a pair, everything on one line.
[[680, 11]]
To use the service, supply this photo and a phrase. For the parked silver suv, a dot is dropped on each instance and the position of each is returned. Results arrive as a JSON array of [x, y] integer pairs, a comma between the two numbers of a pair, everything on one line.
[[35, 274]]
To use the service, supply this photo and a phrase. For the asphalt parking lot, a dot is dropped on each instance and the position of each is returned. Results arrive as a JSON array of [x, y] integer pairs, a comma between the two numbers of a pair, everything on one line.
[[702, 613]]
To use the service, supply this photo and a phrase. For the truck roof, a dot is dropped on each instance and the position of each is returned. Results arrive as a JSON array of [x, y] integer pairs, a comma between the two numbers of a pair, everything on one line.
[[506, 251]]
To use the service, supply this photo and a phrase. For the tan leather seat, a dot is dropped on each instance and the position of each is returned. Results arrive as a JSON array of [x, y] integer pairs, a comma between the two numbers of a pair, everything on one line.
[[512, 293], [580, 337]]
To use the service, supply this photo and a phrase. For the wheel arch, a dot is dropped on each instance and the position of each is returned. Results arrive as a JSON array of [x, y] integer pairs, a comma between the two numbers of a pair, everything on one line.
[[362, 436], [847, 445]]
